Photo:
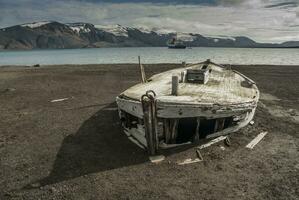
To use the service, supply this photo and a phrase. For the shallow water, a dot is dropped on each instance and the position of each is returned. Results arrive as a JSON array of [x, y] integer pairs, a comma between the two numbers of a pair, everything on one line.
[[151, 55]]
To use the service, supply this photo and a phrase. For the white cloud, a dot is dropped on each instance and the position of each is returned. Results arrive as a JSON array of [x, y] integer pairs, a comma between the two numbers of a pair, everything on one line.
[[230, 17]]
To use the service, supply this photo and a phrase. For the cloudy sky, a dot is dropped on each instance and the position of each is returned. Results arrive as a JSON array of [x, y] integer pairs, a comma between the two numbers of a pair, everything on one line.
[[262, 20]]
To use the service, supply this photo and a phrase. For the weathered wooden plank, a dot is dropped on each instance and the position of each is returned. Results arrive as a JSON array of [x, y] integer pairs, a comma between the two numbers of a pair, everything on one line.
[[155, 125], [130, 106], [169, 146], [197, 133], [149, 131], [184, 111], [256, 140], [174, 85], [174, 126], [59, 100], [219, 124], [189, 161], [166, 130], [157, 159], [224, 86], [212, 142], [138, 134], [235, 128]]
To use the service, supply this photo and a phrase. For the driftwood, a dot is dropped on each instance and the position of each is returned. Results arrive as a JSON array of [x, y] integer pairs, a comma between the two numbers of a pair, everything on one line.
[[256, 140], [212, 142], [156, 159], [169, 146], [59, 100], [189, 161], [199, 155]]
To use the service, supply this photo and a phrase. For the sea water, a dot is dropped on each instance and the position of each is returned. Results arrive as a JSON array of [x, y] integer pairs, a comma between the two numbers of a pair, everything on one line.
[[279, 56]]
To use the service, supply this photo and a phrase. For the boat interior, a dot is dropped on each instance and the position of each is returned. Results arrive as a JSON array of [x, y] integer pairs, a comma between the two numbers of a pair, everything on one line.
[[181, 130]]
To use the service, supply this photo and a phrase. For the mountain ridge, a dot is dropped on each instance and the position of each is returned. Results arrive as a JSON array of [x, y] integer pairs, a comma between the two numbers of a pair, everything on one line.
[[56, 35]]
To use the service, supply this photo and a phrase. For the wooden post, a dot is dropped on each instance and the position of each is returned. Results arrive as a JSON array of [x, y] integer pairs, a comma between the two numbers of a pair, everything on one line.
[[182, 77], [155, 137], [174, 85], [166, 130], [142, 72], [197, 133], [147, 118], [174, 130], [216, 125], [150, 122], [219, 124]]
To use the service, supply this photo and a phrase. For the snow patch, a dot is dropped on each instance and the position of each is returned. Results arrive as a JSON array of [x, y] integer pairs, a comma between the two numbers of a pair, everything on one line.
[[185, 37], [163, 31], [79, 28], [35, 24], [116, 30], [219, 37], [144, 30]]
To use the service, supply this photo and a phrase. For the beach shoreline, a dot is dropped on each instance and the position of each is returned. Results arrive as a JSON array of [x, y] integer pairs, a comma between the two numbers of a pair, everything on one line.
[[75, 148]]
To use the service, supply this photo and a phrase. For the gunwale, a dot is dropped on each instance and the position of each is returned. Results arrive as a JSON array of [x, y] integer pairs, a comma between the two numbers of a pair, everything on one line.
[[224, 88]]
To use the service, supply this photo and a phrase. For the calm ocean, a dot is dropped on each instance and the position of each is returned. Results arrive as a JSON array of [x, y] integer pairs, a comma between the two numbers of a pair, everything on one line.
[[151, 55]]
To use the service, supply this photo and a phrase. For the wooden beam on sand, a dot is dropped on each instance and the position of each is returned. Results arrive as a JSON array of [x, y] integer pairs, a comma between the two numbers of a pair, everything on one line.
[[189, 161], [212, 142], [256, 140]]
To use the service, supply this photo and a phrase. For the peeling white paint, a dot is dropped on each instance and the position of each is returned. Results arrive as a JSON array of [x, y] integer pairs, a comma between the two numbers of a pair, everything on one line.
[[224, 87]]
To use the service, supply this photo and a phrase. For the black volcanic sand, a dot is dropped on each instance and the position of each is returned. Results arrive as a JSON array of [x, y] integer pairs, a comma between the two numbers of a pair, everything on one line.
[[75, 149]]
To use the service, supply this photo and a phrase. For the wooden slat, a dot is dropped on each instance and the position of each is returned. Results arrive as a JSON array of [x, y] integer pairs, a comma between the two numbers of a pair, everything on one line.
[[256, 140], [212, 142]]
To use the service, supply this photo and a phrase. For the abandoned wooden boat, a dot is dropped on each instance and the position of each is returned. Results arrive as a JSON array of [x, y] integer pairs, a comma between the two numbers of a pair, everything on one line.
[[184, 105]]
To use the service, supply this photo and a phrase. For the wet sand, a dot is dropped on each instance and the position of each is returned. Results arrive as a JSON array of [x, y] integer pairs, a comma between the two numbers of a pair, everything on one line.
[[75, 149]]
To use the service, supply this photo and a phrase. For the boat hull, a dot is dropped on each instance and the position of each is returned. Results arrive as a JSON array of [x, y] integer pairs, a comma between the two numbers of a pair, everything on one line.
[[157, 121], [240, 115]]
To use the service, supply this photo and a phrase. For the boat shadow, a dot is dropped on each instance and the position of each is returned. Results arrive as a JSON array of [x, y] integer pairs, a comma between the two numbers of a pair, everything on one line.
[[98, 145]]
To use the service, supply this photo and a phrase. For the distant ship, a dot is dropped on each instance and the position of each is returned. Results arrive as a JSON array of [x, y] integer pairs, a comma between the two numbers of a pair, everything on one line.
[[175, 43]]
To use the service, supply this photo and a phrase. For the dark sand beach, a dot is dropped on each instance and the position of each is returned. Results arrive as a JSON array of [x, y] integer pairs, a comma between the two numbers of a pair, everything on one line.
[[75, 149]]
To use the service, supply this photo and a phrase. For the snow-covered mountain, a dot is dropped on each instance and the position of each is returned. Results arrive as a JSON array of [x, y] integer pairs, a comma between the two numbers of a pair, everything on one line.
[[35, 24], [51, 34]]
